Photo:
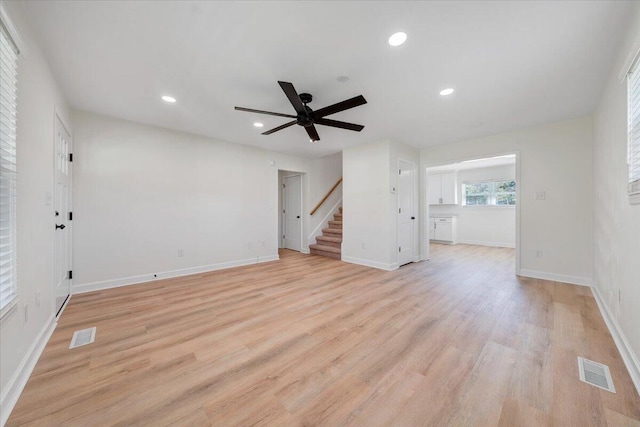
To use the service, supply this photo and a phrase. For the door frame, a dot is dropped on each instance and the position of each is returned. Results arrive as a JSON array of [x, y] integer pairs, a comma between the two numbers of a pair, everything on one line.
[[58, 117], [283, 219], [424, 224], [415, 201]]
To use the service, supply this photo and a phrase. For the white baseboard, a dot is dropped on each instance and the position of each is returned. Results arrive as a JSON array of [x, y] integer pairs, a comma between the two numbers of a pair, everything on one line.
[[574, 280], [628, 356], [305, 251], [132, 280], [369, 263], [494, 244], [19, 379]]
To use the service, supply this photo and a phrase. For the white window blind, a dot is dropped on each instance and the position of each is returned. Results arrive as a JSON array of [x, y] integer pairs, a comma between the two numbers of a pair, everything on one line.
[[8, 87], [633, 141]]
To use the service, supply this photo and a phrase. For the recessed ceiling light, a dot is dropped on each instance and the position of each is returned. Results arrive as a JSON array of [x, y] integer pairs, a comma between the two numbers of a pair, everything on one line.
[[447, 91], [397, 39], [169, 99], [258, 124]]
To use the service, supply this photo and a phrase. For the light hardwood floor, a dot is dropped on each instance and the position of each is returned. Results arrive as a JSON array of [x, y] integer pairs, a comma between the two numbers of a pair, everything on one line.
[[458, 340]]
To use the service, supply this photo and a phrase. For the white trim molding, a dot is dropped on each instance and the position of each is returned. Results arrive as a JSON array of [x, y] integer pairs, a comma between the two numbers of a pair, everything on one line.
[[16, 384], [564, 278], [13, 32], [372, 264], [144, 278], [628, 356]]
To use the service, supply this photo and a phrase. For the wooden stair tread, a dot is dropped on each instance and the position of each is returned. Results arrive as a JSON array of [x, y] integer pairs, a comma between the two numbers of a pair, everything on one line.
[[325, 248], [330, 239], [332, 230]]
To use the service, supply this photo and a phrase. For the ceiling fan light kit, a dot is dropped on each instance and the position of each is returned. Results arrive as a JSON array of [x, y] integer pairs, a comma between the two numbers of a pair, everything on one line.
[[308, 118]]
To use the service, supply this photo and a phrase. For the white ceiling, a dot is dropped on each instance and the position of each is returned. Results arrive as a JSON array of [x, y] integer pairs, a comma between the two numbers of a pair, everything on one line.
[[513, 64]]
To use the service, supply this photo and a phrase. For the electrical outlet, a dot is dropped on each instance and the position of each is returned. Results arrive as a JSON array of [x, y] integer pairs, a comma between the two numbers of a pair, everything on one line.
[[249, 245], [539, 254], [180, 253], [540, 195], [363, 245], [264, 243], [26, 313], [38, 299]]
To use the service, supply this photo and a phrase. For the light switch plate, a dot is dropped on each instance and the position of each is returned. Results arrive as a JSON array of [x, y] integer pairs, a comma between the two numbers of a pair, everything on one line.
[[540, 195]]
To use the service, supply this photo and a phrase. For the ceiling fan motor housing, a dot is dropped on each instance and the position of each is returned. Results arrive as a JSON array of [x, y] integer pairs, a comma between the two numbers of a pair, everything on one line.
[[307, 119]]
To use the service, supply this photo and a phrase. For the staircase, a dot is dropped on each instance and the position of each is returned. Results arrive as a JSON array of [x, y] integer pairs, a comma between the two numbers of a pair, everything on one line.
[[330, 243]]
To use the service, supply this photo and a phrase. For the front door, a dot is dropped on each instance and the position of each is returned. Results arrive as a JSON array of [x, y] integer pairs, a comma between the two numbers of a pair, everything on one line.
[[406, 216], [292, 212], [62, 219]]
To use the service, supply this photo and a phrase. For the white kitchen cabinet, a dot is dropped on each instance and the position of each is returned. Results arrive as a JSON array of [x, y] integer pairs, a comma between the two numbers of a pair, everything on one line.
[[443, 189], [443, 229]]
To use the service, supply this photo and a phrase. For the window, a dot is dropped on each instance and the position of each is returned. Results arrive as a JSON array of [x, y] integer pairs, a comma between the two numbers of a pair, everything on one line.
[[8, 86], [489, 193], [633, 140]]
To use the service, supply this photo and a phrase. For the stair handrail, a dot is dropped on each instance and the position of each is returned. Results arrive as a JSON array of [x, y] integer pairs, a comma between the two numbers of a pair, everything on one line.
[[326, 196]]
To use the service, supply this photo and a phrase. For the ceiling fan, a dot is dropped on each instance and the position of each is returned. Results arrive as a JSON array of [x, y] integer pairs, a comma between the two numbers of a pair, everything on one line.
[[308, 118]]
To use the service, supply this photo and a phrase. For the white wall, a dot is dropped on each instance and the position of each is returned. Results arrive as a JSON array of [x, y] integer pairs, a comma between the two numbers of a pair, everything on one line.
[[366, 232], [370, 219], [616, 251], [38, 98], [142, 192], [483, 225], [555, 158]]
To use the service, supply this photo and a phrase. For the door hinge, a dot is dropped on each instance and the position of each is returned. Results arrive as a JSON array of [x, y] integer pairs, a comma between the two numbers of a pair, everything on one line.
[[399, 248], [70, 216], [70, 157], [284, 186], [70, 274], [399, 171], [400, 210], [283, 236]]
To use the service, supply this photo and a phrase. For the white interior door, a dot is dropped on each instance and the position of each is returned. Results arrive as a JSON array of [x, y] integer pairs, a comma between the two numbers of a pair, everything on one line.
[[62, 219], [292, 212], [406, 216]]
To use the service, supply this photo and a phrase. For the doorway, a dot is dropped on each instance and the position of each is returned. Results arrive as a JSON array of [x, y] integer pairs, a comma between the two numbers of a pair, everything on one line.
[[474, 202], [291, 210], [62, 215], [406, 212]]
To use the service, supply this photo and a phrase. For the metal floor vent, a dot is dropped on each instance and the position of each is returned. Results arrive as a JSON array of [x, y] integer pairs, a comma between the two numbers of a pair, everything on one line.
[[83, 337], [596, 374]]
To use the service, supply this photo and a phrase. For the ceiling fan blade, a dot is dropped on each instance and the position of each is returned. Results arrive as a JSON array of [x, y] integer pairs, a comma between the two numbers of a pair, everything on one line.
[[293, 96], [338, 124], [284, 126], [341, 106], [251, 110], [313, 133]]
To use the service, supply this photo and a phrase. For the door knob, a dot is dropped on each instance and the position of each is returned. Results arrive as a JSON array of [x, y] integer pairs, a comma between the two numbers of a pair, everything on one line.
[[60, 226], [298, 217], [413, 217]]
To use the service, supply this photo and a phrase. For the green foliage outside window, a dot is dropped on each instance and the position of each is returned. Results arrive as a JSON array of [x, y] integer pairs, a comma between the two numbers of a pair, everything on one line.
[[489, 193]]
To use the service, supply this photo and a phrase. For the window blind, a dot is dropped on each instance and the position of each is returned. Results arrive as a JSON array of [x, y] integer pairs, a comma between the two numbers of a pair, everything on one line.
[[633, 141], [8, 103]]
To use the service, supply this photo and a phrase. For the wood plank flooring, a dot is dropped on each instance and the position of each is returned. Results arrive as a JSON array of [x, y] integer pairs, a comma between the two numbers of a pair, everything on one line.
[[307, 340]]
